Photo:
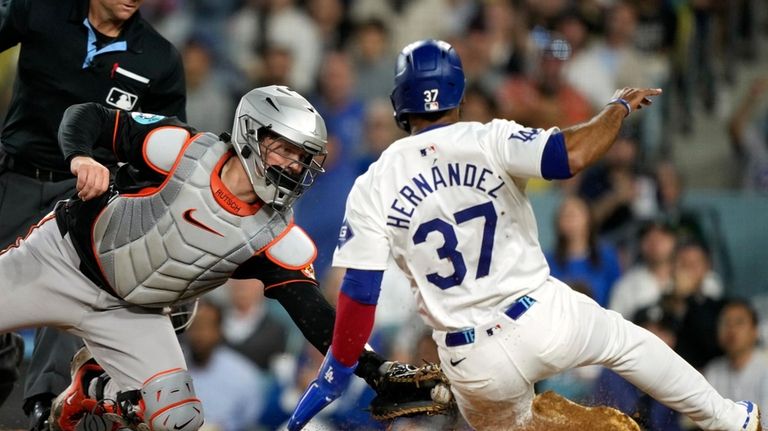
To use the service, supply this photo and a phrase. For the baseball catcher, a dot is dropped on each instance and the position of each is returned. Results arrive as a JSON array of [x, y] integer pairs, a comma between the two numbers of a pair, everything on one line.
[[186, 211]]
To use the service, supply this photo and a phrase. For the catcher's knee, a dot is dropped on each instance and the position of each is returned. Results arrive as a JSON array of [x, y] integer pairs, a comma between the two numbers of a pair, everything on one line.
[[169, 402]]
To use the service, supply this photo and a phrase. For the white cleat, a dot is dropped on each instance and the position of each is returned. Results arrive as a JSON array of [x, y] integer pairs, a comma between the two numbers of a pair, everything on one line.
[[752, 422]]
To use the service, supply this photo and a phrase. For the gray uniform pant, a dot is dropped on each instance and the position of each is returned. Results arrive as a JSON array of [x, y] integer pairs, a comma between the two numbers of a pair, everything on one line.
[[23, 202], [42, 285]]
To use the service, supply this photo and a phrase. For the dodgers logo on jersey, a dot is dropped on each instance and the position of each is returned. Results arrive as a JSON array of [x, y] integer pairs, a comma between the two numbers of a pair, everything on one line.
[[142, 118], [526, 134], [345, 234]]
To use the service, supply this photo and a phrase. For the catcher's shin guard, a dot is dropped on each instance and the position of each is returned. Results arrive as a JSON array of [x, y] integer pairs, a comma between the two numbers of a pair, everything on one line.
[[168, 402]]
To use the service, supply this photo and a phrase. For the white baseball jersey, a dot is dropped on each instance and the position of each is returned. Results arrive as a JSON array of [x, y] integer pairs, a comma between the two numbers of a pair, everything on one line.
[[449, 204]]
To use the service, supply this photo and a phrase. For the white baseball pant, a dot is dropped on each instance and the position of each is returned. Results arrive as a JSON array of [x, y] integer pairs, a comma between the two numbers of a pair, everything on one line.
[[493, 377]]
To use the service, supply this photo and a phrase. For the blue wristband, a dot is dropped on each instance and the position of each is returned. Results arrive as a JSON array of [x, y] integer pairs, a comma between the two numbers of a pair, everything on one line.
[[623, 102]]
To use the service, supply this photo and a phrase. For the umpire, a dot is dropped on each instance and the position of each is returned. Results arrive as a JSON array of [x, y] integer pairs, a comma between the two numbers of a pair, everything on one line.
[[72, 51]]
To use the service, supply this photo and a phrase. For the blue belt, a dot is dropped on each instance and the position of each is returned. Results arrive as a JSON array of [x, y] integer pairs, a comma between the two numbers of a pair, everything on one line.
[[467, 336]]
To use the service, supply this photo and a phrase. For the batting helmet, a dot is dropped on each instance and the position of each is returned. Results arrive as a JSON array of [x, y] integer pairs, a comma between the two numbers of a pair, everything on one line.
[[428, 78], [285, 115]]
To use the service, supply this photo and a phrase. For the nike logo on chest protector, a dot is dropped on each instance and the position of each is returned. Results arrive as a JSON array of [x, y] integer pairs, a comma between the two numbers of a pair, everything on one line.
[[187, 216]]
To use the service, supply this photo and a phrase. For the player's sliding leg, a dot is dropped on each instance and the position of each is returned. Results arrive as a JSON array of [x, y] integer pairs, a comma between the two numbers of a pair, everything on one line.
[[589, 334]]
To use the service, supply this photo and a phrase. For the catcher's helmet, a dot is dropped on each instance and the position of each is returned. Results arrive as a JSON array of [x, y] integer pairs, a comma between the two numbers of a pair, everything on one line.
[[285, 115], [428, 78]]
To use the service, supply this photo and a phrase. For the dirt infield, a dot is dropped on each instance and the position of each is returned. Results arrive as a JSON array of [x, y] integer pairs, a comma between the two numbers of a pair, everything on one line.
[[552, 412]]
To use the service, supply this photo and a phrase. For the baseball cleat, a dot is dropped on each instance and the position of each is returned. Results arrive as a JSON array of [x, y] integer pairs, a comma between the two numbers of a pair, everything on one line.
[[70, 407], [752, 423]]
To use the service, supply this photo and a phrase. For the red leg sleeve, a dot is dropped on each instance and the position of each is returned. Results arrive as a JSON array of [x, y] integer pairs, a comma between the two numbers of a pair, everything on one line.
[[354, 323]]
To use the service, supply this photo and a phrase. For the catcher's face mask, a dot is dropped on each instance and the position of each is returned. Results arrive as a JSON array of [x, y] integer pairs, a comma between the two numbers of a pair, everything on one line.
[[283, 170], [281, 141]]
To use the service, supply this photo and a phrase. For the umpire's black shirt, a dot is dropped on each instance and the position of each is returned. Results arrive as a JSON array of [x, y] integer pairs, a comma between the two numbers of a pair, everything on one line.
[[64, 61]]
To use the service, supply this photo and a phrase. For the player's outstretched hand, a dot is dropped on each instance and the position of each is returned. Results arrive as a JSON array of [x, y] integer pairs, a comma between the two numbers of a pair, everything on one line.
[[92, 177], [331, 381], [636, 98]]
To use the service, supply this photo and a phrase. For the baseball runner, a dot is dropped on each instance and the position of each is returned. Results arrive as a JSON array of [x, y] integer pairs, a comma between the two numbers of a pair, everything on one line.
[[449, 204], [185, 212]]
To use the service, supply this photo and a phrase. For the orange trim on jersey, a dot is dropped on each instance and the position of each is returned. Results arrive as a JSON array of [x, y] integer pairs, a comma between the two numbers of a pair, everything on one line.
[[29, 232], [147, 191], [156, 375], [292, 267], [225, 198], [292, 281], [114, 133], [170, 406], [144, 149]]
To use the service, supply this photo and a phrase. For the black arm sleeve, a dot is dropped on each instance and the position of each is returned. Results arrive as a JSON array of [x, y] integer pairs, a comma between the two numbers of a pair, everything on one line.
[[298, 293], [309, 310], [315, 318], [84, 127]]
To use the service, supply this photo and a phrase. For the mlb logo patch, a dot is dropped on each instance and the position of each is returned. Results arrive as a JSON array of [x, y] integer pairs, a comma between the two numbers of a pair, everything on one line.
[[121, 99], [427, 151], [432, 106]]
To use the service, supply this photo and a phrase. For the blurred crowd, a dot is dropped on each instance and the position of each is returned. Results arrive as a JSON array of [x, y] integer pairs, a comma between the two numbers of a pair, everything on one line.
[[622, 234]]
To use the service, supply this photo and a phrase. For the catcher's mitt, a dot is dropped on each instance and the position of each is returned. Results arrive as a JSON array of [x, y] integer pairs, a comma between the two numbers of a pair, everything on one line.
[[407, 390]]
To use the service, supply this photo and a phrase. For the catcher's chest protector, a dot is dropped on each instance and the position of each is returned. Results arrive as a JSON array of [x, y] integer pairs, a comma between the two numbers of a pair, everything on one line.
[[179, 242]]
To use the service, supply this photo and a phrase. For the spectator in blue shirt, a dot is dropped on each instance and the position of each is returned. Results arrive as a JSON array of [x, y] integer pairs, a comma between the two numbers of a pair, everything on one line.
[[578, 256]]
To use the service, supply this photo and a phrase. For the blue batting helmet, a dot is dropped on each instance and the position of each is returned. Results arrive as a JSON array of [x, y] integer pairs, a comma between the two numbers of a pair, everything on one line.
[[428, 78]]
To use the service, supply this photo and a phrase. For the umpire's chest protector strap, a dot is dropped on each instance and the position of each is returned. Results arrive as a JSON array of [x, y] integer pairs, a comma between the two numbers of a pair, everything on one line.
[[293, 249]]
